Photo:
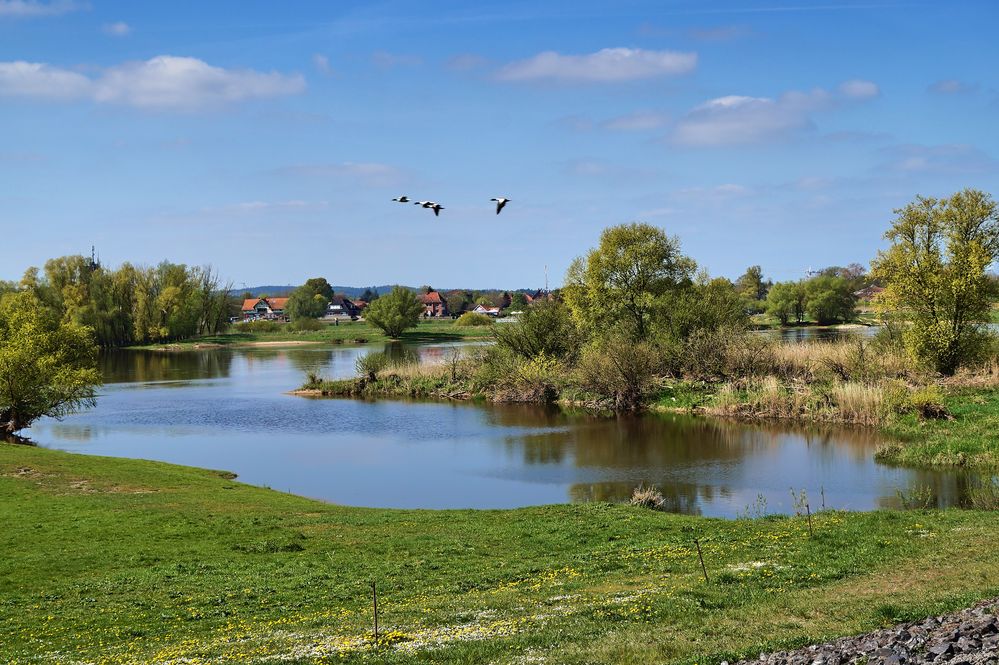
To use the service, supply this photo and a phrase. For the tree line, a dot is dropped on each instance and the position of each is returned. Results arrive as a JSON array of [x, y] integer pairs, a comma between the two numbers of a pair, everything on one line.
[[131, 304]]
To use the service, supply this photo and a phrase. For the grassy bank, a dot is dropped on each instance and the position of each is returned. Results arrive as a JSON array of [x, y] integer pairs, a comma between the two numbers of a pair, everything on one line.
[[348, 332], [970, 438], [125, 561]]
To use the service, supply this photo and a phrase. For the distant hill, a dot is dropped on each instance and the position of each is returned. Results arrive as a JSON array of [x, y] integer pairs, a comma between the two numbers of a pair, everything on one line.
[[349, 291]]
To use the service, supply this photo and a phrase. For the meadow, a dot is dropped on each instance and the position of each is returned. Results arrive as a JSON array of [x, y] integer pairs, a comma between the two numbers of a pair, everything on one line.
[[127, 561]]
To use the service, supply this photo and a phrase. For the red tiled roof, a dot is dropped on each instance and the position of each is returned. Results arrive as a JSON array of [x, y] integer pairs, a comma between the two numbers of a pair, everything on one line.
[[432, 298], [273, 303]]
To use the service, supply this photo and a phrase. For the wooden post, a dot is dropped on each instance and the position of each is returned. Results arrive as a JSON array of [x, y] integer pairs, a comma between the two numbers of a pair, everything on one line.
[[809, 512], [701, 557], [374, 602], [823, 491]]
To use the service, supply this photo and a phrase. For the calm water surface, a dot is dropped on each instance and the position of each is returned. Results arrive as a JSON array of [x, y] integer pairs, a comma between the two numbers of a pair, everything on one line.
[[228, 409]]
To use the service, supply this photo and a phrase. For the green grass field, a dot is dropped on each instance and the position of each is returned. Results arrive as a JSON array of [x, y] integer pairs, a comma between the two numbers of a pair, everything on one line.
[[356, 332], [124, 561], [970, 438]]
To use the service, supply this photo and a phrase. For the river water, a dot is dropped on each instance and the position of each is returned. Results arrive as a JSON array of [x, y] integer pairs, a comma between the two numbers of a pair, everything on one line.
[[229, 409]]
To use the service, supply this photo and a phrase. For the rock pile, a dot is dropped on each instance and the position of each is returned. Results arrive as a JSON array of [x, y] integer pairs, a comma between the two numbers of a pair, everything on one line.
[[968, 637]]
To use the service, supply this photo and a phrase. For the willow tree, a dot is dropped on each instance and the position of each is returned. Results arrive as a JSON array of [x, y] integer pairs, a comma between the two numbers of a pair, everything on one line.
[[48, 367], [935, 275]]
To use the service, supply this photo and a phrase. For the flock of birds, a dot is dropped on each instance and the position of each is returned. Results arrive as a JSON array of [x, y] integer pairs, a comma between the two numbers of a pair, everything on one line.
[[437, 207]]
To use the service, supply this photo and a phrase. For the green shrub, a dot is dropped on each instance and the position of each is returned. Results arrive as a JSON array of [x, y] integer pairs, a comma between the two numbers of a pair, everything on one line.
[[302, 325], [545, 328], [473, 319], [620, 370], [262, 326]]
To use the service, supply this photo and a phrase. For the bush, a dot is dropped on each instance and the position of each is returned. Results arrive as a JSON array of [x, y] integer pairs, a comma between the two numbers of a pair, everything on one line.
[[263, 326], [394, 356], [394, 313], [723, 352], [473, 319], [985, 496], [648, 497], [545, 328], [303, 325], [509, 377], [620, 370]]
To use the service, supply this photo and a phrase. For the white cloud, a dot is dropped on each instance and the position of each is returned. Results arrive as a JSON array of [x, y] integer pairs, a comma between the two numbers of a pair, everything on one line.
[[33, 8], [737, 119], [952, 87], [118, 29], [859, 89], [637, 122], [322, 64], [177, 83], [608, 65], [161, 83], [937, 159], [37, 80]]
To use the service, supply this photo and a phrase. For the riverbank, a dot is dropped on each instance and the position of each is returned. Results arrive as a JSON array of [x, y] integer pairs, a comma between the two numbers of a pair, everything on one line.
[[346, 332], [932, 423], [160, 563]]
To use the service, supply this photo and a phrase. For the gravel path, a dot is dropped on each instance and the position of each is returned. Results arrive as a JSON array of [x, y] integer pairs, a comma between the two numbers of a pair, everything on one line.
[[968, 637]]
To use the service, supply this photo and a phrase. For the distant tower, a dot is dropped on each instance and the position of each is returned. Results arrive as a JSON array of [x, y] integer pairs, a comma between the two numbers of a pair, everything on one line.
[[94, 262], [546, 278]]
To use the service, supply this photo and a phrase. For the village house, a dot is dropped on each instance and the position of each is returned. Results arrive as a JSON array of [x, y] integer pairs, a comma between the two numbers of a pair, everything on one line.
[[869, 293], [264, 308], [434, 305], [538, 295], [340, 306]]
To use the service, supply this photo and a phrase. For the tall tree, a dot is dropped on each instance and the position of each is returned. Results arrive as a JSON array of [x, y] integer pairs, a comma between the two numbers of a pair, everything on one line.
[[751, 285], [786, 301], [829, 299], [935, 275], [627, 277], [310, 300]]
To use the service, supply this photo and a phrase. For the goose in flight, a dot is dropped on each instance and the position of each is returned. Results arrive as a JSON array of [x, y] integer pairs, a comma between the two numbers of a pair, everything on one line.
[[500, 202], [401, 199], [423, 204], [436, 207]]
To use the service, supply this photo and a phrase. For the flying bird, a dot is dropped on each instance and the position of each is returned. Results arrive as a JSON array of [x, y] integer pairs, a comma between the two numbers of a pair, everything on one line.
[[402, 199], [436, 207], [423, 204], [500, 202]]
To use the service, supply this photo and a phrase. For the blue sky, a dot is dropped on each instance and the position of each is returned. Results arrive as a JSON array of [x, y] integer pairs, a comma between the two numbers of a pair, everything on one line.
[[267, 139]]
